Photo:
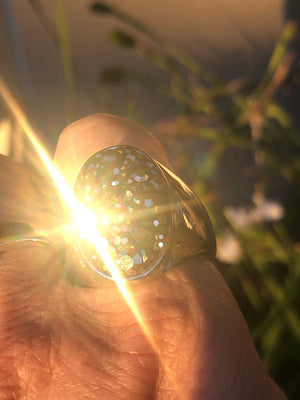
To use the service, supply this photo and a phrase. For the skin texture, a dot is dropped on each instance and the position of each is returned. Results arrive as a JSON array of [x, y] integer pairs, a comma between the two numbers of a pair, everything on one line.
[[61, 341]]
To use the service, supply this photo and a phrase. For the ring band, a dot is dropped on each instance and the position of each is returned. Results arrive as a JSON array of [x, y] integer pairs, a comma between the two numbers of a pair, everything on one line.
[[19, 232], [149, 219]]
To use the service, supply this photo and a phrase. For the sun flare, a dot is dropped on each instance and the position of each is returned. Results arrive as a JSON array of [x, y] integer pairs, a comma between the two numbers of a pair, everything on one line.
[[83, 218]]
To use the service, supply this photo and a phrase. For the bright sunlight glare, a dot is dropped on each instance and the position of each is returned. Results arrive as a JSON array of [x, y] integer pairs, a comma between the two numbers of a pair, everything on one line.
[[83, 218]]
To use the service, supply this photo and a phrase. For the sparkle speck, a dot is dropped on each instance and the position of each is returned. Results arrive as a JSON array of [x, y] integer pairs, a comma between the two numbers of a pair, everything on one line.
[[148, 203], [117, 240], [157, 184], [137, 259], [126, 262], [131, 157], [112, 158], [138, 178], [155, 222]]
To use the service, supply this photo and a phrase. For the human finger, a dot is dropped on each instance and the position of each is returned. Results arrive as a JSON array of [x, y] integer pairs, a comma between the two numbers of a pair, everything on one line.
[[220, 333], [25, 198], [83, 138]]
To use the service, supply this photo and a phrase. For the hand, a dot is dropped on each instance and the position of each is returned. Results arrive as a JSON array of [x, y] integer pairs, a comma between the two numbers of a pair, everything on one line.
[[61, 341]]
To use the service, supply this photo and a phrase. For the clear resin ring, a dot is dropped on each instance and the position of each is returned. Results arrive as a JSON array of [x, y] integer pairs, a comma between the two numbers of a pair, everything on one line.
[[148, 219]]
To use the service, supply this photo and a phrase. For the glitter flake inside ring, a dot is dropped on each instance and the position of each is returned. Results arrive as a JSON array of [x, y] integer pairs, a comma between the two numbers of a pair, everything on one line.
[[147, 216]]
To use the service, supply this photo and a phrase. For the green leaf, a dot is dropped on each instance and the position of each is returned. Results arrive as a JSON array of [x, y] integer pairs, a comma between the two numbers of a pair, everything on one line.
[[100, 7], [121, 39]]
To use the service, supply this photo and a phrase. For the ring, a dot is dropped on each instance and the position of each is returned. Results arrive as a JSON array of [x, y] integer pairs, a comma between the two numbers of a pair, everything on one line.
[[19, 232], [148, 219]]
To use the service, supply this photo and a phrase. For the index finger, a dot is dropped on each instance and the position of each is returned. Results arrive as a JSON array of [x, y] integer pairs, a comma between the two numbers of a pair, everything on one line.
[[83, 138]]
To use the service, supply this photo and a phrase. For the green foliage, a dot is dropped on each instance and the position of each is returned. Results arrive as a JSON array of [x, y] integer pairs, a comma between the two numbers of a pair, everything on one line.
[[101, 8], [265, 277], [121, 39]]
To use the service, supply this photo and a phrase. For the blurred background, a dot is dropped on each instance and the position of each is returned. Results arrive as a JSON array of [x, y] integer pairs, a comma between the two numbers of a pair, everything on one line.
[[218, 83]]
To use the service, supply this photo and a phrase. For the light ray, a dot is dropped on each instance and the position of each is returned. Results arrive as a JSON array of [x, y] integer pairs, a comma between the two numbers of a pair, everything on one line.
[[87, 224]]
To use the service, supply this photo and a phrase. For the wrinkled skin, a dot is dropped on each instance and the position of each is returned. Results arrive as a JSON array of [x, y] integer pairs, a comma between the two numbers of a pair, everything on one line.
[[61, 341]]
